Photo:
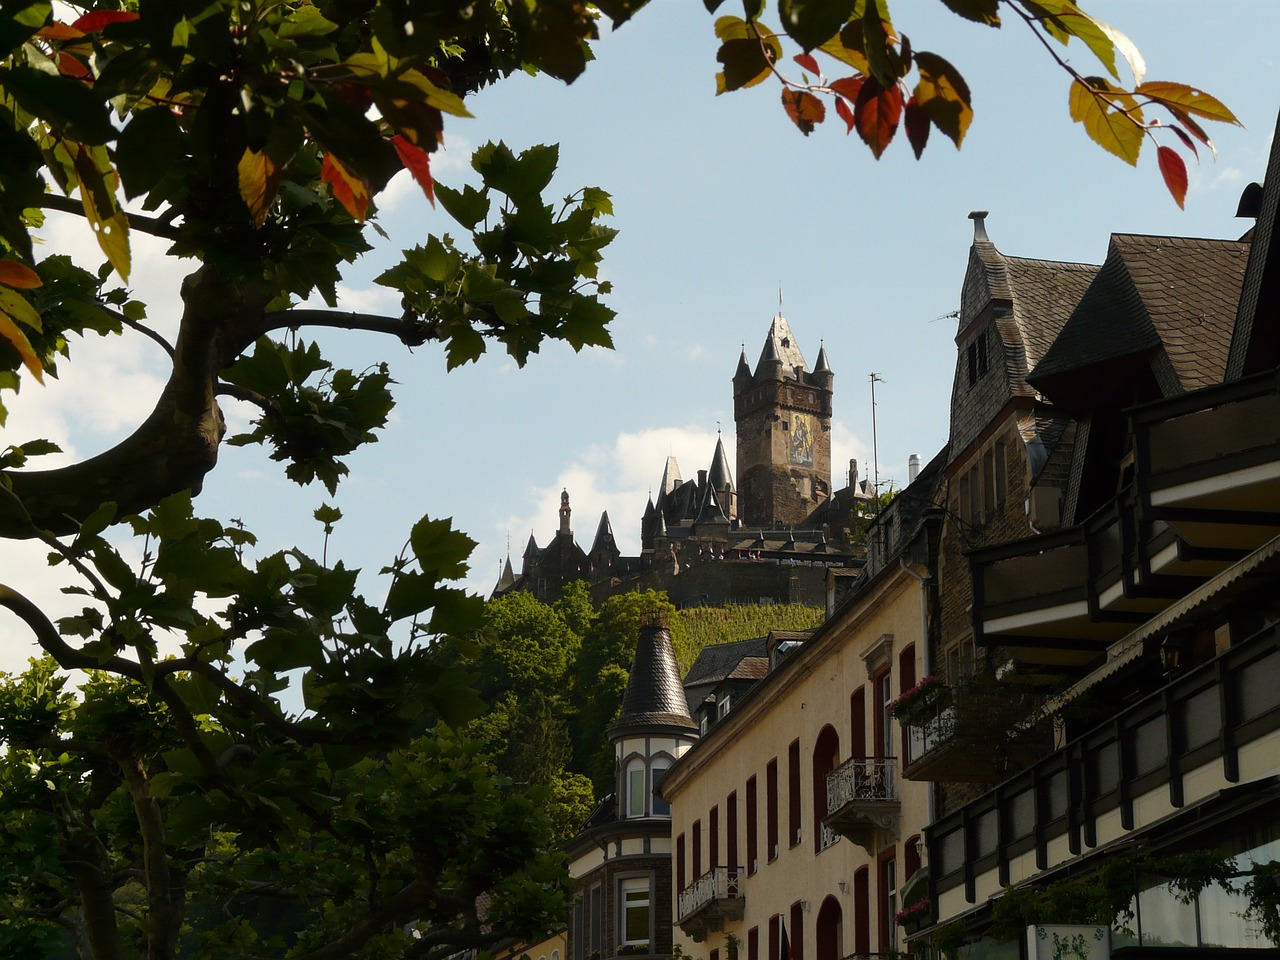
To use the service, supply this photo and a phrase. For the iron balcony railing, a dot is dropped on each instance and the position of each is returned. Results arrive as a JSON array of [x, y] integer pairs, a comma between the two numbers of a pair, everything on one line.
[[826, 836], [859, 781], [718, 883]]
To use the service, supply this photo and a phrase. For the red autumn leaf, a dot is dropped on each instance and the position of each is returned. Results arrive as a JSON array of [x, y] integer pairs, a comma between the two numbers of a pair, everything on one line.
[[95, 21], [847, 87], [805, 110], [916, 120], [876, 112], [1182, 135], [807, 62], [348, 189], [69, 66], [1174, 172], [846, 114], [418, 162], [19, 275], [59, 31]]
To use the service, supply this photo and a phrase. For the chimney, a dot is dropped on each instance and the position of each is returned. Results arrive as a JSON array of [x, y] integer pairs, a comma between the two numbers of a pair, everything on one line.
[[853, 473], [913, 467]]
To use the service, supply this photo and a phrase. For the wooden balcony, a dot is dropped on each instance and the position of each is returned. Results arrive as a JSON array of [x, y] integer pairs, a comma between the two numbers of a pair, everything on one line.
[[1208, 463], [862, 800], [708, 902]]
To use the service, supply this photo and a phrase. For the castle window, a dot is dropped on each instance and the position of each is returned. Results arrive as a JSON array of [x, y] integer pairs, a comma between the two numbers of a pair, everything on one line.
[[752, 827], [771, 808]]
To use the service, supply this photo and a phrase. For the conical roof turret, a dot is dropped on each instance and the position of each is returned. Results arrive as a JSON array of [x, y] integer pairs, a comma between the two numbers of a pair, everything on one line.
[[670, 477], [744, 368], [604, 535], [821, 365], [718, 476], [654, 697], [531, 548], [506, 579]]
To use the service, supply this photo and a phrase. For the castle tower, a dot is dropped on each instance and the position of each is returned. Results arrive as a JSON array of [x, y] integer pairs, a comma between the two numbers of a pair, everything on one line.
[[783, 417]]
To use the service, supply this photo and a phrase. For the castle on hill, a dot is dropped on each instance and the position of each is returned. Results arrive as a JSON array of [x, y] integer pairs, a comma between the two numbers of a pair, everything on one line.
[[705, 540]]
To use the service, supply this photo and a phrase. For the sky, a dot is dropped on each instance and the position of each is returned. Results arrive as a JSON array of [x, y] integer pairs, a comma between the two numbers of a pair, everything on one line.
[[723, 207]]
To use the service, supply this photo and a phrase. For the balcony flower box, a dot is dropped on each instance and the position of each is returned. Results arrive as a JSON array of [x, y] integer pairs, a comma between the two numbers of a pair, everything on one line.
[[915, 916], [921, 702]]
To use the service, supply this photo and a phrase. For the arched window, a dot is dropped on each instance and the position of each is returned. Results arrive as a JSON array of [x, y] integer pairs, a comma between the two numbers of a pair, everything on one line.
[[635, 788], [657, 771], [826, 755]]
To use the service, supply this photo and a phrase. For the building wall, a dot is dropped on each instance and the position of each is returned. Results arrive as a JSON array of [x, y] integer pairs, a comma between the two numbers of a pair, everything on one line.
[[806, 695]]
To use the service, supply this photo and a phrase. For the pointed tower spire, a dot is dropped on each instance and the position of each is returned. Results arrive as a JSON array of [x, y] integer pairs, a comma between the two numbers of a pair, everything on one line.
[[718, 476], [604, 535], [744, 368], [780, 346], [506, 578], [711, 511], [821, 365], [654, 699]]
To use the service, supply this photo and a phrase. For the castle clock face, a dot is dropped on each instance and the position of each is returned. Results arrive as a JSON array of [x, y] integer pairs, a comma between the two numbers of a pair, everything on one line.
[[802, 432]]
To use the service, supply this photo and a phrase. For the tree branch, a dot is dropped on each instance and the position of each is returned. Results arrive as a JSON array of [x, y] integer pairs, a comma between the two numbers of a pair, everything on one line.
[[137, 221], [411, 331], [142, 328], [267, 405]]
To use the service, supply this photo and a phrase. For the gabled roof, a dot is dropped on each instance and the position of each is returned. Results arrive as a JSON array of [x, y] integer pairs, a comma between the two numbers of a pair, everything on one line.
[[711, 511], [1164, 302], [781, 344], [654, 694], [717, 661]]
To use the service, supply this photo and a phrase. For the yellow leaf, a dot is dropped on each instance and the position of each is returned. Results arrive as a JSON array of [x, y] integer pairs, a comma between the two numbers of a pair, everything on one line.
[[944, 95], [9, 331], [1112, 130], [18, 308], [259, 180], [97, 195], [15, 274], [1189, 98], [348, 189], [437, 97]]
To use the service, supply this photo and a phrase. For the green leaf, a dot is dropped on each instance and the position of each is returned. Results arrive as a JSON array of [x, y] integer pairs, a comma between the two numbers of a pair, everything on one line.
[[745, 63], [1188, 99], [441, 549], [812, 23], [943, 96], [97, 521], [20, 20], [328, 515], [305, 21], [979, 11], [65, 104], [148, 148], [468, 207], [14, 304]]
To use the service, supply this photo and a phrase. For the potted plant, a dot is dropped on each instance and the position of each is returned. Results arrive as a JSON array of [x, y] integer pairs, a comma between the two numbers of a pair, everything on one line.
[[920, 703]]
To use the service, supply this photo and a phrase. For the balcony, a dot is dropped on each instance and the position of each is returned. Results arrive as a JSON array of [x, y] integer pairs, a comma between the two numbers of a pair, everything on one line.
[[862, 800], [1208, 462], [979, 732], [708, 902]]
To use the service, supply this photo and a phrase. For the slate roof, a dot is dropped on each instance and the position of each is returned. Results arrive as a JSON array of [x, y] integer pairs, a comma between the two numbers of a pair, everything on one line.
[[711, 511], [717, 661], [604, 535], [821, 365], [1256, 345], [718, 476], [1044, 293], [506, 579], [1175, 293], [781, 344], [654, 694]]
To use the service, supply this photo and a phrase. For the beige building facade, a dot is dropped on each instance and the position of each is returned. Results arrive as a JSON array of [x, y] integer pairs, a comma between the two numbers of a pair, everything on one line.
[[790, 819]]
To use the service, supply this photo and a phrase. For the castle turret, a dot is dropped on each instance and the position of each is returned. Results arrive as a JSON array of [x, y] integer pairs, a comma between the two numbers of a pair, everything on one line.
[[653, 726], [564, 513], [604, 549]]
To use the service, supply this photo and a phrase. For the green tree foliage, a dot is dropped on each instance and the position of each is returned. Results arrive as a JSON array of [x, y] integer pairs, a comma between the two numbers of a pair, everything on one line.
[[168, 806]]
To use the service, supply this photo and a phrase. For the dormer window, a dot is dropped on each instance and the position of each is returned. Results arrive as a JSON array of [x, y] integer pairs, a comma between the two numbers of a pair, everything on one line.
[[722, 707], [977, 356]]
